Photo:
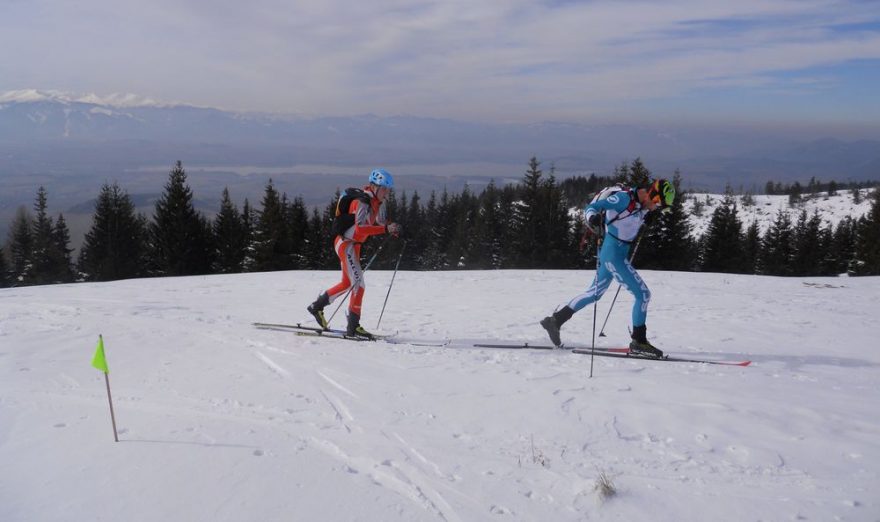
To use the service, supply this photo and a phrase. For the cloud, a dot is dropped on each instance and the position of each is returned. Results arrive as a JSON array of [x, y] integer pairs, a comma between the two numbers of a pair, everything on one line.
[[491, 59]]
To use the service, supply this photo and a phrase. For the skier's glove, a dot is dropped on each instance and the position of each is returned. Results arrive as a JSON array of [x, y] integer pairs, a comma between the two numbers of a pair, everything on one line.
[[393, 229], [594, 223]]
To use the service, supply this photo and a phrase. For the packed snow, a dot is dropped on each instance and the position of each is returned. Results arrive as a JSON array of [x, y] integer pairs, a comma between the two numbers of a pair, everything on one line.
[[219, 420]]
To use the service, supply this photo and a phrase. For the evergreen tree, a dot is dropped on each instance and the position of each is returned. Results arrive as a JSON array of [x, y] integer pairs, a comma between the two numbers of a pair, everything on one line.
[[777, 247], [62, 254], [843, 244], [41, 233], [415, 230], [490, 227], [795, 194], [272, 248], [751, 248], [21, 248], [4, 270], [461, 251], [829, 256], [115, 247], [529, 219], [723, 240], [856, 193], [248, 226], [867, 248], [230, 241], [639, 175], [180, 237], [832, 188], [297, 221], [556, 236], [808, 252], [438, 218], [317, 247]]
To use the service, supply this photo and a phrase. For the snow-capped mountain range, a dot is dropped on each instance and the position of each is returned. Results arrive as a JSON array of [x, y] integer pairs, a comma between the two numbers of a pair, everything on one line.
[[53, 129], [116, 100]]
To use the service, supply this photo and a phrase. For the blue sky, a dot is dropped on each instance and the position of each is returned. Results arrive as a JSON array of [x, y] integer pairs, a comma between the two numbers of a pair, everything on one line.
[[767, 62]]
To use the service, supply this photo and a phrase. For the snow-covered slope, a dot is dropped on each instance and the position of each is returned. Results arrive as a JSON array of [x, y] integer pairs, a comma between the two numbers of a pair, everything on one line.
[[221, 421], [832, 209]]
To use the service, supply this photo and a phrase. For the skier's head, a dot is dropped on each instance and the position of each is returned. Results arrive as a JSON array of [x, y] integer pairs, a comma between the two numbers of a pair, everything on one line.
[[381, 178], [662, 193]]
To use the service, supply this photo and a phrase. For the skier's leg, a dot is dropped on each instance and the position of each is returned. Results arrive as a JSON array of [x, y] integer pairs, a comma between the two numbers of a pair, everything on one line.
[[342, 248], [628, 277]]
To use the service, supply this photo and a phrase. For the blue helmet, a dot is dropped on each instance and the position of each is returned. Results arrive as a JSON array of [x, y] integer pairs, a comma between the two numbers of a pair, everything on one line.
[[382, 178]]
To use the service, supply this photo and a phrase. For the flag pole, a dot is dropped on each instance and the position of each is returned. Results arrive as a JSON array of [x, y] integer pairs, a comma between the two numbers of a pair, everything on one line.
[[99, 362], [110, 399]]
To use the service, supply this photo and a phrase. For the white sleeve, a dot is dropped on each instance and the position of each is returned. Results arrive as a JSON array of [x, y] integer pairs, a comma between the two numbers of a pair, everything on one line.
[[382, 215]]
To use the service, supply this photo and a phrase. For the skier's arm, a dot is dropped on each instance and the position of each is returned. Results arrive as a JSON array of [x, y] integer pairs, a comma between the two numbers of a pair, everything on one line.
[[617, 202], [362, 228]]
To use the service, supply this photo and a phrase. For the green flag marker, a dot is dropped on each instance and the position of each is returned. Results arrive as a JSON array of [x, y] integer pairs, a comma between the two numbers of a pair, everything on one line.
[[99, 361]]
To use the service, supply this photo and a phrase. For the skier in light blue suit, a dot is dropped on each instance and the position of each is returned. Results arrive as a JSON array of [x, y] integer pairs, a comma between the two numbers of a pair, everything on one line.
[[622, 212]]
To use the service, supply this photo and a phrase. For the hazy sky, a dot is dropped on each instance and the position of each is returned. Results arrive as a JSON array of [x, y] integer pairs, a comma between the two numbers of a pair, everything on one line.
[[742, 61]]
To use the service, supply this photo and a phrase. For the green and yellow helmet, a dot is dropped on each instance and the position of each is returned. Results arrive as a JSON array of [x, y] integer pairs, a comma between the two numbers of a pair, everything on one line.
[[662, 192]]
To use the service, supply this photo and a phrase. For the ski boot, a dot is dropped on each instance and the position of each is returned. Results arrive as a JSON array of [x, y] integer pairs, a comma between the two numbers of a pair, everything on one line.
[[317, 309], [355, 330], [640, 345], [552, 323]]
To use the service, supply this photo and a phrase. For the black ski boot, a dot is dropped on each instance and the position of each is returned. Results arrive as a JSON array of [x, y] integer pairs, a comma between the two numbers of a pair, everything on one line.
[[552, 323], [640, 345], [355, 329], [317, 309]]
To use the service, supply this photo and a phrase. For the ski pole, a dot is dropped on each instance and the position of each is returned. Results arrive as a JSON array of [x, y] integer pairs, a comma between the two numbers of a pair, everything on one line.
[[391, 284], [595, 305], [617, 293], [367, 267]]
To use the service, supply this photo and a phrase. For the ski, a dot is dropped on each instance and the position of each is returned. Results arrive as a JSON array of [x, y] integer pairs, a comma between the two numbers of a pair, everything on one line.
[[667, 358], [527, 346], [314, 331]]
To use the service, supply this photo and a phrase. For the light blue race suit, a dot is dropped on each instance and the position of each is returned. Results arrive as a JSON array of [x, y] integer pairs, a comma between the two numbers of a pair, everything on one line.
[[624, 216]]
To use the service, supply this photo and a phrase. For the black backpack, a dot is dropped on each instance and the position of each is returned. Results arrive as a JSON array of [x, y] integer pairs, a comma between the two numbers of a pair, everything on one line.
[[344, 220]]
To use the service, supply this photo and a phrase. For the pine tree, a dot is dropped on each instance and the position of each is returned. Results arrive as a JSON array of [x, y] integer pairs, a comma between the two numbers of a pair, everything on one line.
[[639, 175], [4, 270], [843, 244], [438, 217], [807, 258], [297, 220], [115, 247], [271, 243], [248, 225], [777, 247], [62, 260], [230, 241], [867, 248], [529, 219], [461, 251], [556, 236], [41, 233], [180, 237], [723, 240], [751, 248], [490, 228], [21, 248], [415, 230], [317, 243]]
